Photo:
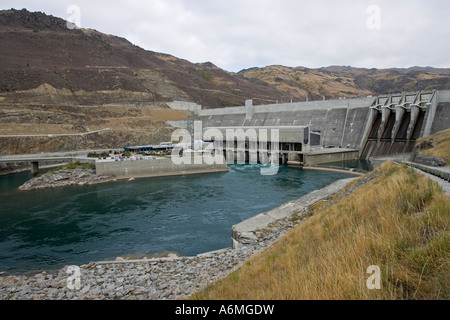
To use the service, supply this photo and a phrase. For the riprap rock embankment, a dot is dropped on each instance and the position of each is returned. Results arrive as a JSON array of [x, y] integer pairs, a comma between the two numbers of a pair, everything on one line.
[[158, 278], [65, 177]]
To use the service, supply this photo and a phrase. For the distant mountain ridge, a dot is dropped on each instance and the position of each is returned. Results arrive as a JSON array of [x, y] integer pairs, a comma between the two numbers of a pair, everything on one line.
[[423, 69], [429, 69], [342, 81], [42, 61]]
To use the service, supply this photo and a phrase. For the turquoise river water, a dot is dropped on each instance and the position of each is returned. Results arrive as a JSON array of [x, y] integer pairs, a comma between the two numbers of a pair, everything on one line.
[[50, 228]]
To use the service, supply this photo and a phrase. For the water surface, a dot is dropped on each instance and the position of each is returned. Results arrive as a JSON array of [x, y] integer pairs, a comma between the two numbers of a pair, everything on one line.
[[50, 228]]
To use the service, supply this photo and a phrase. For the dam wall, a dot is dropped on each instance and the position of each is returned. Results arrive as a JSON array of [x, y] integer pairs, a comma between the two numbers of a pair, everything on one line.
[[339, 122], [381, 125], [441, 120]]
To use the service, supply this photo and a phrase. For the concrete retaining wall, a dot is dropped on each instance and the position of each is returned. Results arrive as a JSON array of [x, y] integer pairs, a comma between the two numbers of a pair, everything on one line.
[[244, 233], [184, 105], [326, 157], [154, 168], [442, 117]]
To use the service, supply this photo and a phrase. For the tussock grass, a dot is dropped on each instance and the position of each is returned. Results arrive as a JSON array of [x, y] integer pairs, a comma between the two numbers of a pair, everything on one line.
[[78, 165], [71, 166], [398, 221]]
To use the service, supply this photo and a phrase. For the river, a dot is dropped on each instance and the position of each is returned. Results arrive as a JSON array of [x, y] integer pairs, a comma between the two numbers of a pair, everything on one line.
[[44, 230]]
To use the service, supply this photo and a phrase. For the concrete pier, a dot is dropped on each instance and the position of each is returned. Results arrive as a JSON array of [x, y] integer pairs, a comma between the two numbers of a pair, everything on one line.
[[34, 167], [156, 168], [330, 155]]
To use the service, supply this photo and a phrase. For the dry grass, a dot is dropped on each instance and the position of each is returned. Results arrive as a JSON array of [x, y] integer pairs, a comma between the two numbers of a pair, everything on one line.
[[83, 119], [441, 148], [303, 82], [399, 221]]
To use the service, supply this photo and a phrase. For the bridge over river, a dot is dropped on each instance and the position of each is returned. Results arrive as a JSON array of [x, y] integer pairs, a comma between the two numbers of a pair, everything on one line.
[[35, 159]]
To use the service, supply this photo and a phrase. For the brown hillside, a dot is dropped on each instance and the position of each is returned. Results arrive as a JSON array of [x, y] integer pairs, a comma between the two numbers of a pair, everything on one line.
[[335, 81], [95, 68], [39, 49]]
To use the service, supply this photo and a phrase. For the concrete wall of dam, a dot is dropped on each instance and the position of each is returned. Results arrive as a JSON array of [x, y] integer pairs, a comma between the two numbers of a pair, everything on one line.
[[340, 122], [441, 119], [346, 123]]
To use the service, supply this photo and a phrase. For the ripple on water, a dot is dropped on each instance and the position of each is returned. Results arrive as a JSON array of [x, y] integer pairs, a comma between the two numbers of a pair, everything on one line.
[[47, 229]]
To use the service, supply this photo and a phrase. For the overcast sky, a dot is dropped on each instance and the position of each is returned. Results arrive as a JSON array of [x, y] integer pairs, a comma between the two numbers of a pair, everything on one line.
[[238, 34]]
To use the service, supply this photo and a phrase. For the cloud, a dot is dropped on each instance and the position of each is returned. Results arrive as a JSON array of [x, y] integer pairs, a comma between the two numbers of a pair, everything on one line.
[[237, 34]]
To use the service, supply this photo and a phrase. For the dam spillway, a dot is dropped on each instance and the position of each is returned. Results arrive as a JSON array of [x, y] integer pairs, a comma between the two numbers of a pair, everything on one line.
[[395, 122]]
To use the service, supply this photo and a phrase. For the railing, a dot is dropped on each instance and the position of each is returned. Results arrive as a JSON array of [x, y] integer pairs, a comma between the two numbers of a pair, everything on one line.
[[11, 159], [52, 135], [434, 171]]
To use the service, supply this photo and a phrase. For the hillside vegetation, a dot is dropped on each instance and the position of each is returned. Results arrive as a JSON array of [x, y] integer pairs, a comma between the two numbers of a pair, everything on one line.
[[398, 221], [346, 82], [128, 126], [87, 67], [437, 145]]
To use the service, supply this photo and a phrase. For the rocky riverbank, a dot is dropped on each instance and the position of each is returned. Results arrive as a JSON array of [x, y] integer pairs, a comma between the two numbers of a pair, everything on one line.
[[146, 279], [65, 177]]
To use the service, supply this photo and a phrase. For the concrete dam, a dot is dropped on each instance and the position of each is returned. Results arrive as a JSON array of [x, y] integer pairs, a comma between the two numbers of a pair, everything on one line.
[[369, 127]]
